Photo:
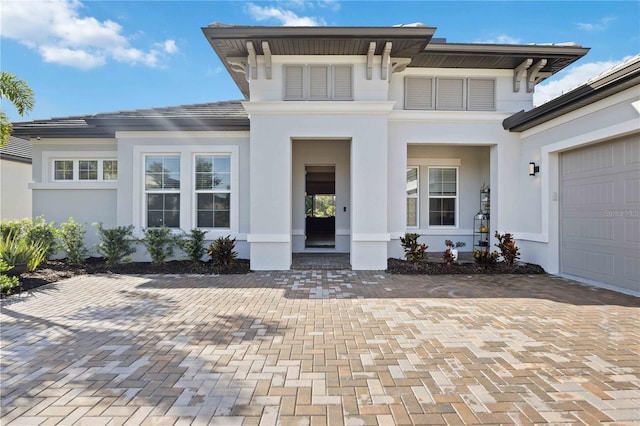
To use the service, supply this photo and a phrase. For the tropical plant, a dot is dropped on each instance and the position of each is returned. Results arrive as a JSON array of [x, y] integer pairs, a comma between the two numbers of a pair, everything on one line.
[[222, 251], [414, 252], [71, 241], [485, 258], [18, 251], [159, 243], [450, 244], [33, 231], [193, 244], [508, 249], [19, 93], [116, 244], [7, 282]]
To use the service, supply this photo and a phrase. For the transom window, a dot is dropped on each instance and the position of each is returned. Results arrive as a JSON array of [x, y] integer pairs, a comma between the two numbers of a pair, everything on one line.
[[213, 191], [85, 170], [162, 188], [443, 196]]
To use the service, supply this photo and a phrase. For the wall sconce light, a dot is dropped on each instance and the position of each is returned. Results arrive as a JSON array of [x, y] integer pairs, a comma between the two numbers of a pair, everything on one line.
[[533, 169]]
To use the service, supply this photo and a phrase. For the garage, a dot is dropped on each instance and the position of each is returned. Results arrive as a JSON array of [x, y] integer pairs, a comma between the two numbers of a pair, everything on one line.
[[600, 213]]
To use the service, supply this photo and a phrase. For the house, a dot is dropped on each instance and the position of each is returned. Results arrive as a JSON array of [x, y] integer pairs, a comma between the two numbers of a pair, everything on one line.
[[15, 177], [347, 139]]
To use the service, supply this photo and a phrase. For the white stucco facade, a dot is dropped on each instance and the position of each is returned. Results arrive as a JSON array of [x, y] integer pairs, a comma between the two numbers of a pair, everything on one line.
[[15, 202]]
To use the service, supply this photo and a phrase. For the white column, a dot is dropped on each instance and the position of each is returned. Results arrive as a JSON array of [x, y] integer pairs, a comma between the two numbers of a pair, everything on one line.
[[270, 199], [397, 195]]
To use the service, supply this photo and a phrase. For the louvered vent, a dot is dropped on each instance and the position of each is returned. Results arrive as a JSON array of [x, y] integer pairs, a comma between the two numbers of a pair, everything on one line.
[[318, 82], [294, 82], [419, 93], [482, 94], [342, 82], [450, 94]]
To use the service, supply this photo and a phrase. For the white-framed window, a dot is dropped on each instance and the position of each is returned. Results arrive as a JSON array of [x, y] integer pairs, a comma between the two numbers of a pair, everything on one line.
[[450, 93], [213, 191], [162, 190], [81, 170], [413, 197], [318, 82], [443, 196]]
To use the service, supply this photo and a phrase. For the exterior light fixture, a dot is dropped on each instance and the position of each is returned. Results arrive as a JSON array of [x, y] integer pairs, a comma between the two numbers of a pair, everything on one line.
[[533, 169]]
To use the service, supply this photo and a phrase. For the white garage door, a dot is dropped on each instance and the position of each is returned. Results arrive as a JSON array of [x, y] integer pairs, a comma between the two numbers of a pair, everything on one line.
[[600, 212]]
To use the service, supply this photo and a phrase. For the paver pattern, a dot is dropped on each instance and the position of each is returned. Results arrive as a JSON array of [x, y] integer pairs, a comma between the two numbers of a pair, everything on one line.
[[320, 347]]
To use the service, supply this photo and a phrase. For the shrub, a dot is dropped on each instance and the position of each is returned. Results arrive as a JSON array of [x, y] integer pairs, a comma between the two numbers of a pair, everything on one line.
[[507, 246], [193, 244], [7, 283], [222, 251], [33, 231], [485, 258], [159, 243], [116, 244], [18, 251], [71, 237], [413, 251]]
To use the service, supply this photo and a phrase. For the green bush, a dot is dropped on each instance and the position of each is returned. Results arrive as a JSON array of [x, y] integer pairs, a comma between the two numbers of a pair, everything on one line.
[[222, 251], [116, 244], [7, 283], [18, 251], [71, 237], [193, 244], [414, 252], [485, 258], [507, 246], [33, 231], [159, 243]]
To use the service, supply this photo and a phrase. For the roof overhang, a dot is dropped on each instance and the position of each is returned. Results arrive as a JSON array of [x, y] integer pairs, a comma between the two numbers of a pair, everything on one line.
[[231, 42], [621, 78]]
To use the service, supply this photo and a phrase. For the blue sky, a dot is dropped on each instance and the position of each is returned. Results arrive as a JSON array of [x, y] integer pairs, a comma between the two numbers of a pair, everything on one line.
[[86, 57]]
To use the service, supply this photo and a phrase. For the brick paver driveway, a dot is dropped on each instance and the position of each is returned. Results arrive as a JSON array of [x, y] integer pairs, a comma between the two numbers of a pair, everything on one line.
[[320, 348]]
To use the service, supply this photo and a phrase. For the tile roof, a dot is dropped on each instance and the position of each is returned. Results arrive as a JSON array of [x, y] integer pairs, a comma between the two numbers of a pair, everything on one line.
[[17, 149], [207, 116]]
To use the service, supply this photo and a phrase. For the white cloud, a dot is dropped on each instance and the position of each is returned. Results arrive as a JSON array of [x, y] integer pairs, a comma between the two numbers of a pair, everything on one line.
[[601, 25], [58, 31], [285, 17], [501, 39], [571, 79]]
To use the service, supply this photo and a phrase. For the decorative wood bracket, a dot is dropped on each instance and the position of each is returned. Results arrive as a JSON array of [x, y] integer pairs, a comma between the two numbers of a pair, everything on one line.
[[532, 73], [372, 50], [384, 66], [399, 64], [518, 72], [253, 62], [267, 59], [238, 64]]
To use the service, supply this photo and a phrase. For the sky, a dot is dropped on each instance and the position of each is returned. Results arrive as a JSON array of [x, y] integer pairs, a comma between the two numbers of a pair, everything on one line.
[[85, 57]]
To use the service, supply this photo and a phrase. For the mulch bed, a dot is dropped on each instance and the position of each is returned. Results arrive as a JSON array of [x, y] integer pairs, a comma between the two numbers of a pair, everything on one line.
[[397, 266], [56, 270]]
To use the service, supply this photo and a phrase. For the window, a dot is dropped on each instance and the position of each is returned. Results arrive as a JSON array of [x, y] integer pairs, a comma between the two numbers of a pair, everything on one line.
[[63, 170], [162, 188], [450, 93], [318, 82], [412, 197], [320, 205], [85, 170], [443, 196], [109, 170], [88, 170], [213, 191]]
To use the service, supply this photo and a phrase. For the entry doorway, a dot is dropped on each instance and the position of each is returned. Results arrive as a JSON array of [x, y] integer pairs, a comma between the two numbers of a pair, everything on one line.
[[320, 207]]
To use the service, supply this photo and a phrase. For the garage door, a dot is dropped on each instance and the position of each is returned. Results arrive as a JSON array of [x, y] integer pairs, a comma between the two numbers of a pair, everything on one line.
[[600, 213]]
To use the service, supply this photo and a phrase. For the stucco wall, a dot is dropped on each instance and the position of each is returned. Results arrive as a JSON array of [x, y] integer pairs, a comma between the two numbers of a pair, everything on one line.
[[15, 194]]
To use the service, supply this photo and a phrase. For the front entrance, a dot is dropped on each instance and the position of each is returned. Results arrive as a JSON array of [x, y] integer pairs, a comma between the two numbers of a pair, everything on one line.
[[320, 207]]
